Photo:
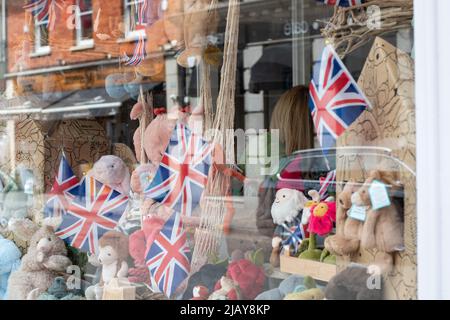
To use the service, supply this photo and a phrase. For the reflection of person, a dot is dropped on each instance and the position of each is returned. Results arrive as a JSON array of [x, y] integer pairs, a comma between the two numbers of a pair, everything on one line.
[[292, 118]]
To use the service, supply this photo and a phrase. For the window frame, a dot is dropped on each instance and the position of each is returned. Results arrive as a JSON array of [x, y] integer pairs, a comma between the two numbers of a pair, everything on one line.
[[39, 49], [128, 6], [79, 41]]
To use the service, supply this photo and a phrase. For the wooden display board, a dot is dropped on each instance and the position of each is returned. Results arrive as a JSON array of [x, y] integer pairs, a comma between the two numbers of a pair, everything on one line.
[[388, 82]]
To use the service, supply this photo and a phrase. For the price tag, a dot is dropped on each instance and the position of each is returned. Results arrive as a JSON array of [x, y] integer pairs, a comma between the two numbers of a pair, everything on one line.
[[357, 213], [379, 195]]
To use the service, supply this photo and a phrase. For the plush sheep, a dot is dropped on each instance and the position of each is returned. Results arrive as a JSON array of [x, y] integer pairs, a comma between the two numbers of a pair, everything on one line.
[[346, 241], [45, 260], [112, 171]]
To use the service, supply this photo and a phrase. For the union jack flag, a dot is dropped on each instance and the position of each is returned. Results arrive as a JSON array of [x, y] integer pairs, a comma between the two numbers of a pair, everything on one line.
[[183, 173], [168, 257], [293, 235], [325, 183], [96, 210], [336, 101], [44, 10], [64, 190], [342, 3], [139, 52]]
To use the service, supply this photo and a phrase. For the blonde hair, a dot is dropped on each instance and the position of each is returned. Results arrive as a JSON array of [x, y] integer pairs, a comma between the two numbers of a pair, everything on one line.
[[292, 118]]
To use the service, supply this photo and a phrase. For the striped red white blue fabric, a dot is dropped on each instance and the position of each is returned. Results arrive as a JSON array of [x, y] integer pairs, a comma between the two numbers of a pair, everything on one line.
[[325, 184], [139, 51], [342, 3], [335, 101], [96, 210], [44, 10], [168, 257], [64, 190]]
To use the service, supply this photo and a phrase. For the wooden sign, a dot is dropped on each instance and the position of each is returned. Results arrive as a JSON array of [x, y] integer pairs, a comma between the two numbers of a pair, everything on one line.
[[388, 82]]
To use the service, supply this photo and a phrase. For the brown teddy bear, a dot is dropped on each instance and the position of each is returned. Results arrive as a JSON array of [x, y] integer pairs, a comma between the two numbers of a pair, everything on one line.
[[383, 228], [348, 231], [45, 260]]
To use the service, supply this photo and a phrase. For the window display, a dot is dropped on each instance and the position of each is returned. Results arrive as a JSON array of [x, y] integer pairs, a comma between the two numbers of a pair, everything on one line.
[[207, 150]]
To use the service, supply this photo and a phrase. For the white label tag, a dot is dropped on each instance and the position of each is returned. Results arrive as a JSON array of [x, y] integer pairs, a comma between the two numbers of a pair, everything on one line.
[[357, 213], [379, 195], [29, 187]]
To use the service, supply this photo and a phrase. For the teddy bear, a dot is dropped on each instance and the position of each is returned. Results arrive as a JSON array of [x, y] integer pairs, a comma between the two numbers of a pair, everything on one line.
[[45, 260], [353, 283], [112, 258], [383, 228], [112, 171], [139, 243], [286, 209], [9, 262], [348, 230]]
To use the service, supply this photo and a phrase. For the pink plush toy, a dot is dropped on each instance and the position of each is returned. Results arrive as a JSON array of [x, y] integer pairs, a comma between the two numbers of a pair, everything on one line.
[[112, 171]]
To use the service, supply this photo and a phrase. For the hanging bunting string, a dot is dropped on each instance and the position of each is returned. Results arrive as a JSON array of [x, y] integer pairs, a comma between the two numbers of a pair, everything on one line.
[[45, 9], [139, 51]]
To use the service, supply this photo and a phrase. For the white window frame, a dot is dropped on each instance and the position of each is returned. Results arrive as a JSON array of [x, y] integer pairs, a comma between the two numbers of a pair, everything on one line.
[[433, 149], [129, 33], [38, 48], [80, 42]]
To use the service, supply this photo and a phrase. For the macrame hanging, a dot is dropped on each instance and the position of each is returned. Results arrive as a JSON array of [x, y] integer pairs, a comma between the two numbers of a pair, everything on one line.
[[214, 209]]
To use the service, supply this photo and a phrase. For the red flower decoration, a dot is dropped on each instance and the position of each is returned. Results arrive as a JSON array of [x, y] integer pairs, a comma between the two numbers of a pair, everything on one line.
[[323, 216]]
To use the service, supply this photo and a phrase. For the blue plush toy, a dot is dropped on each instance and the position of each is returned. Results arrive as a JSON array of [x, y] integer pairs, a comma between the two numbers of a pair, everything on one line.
[[9, 262]]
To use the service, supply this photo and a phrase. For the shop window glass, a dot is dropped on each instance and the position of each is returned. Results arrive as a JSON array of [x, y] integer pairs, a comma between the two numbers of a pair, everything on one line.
[[268, 140]]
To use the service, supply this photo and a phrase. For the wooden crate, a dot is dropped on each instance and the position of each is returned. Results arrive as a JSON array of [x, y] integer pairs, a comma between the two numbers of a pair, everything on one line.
[[317, 270]]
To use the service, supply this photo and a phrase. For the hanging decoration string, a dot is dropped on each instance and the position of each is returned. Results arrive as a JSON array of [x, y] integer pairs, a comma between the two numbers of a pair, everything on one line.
[[45, 9], [139, 52], [210, 231]]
